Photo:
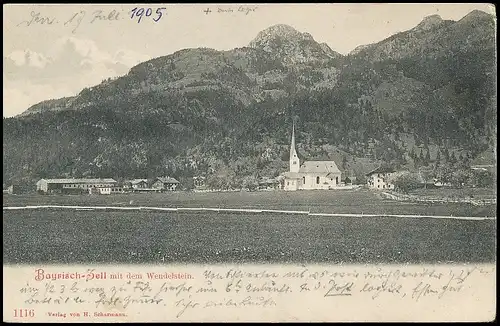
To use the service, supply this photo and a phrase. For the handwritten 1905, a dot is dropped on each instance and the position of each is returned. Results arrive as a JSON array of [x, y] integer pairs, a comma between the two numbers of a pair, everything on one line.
[[141, 12]]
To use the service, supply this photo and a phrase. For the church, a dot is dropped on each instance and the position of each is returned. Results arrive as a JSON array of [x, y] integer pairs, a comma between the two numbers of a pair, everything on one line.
[[310, 175]]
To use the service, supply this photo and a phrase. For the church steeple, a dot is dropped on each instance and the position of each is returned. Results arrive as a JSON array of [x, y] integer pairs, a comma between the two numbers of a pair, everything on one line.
[[294, 159]]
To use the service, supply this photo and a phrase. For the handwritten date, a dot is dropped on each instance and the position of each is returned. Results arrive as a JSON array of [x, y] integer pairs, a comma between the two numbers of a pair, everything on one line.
[[82, 17], [147, 12]]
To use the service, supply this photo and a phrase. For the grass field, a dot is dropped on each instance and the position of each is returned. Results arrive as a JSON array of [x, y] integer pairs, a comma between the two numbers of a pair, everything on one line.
[[479, 193], [74, 236], [360, 201], [40, 236]]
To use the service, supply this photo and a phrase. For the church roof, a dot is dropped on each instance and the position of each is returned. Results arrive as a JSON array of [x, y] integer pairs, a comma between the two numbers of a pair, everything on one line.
[[292, 175], [293, 151], [319, 167]]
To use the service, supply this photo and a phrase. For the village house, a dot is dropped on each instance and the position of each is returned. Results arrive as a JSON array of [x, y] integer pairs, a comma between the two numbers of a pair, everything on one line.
[[199, 182], [165, 184], [311, 175], [13, 190], [158, 184], [379, 178], [139, 184], [127, 185], [72, 186], [439, 183]]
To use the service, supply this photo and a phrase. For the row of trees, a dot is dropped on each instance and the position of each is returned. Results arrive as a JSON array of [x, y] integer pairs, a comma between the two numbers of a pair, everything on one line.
[[227, 182], [455, 176]]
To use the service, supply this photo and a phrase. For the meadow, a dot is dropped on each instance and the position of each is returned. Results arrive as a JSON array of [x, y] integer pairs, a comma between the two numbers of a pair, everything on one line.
[[360, 201], [53, 236], [479, 193]]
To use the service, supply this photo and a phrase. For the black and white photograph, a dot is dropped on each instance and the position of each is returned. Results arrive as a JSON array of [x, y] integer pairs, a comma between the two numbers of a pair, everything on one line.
[[270, 134]]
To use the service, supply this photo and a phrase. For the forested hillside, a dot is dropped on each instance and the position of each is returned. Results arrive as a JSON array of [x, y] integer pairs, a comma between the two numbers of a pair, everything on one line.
[[421, 96]]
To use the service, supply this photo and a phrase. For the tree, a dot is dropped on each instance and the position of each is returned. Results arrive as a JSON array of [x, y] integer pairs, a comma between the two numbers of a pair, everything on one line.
[[426, 175], [187, 183], [444, 172], [360, 177], [481, 178], [404, 181], [421, 158], [427, 156], [452, 158], [344, 162], [214, 182], [446, 154], [250, 182], [461, 177], [412, 154]]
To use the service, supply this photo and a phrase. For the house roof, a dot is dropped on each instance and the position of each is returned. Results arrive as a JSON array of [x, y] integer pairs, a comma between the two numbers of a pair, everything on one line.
[[381, 170], [319, 167], [105, 180], [167, 180], [137, 181]]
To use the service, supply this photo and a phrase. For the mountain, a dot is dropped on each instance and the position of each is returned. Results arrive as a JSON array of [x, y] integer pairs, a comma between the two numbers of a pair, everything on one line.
[[292, 47], [201, 111], [435, 37], [49, 105], [249, 74]]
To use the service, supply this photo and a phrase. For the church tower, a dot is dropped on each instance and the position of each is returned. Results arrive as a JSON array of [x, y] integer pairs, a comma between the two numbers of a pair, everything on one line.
[[294, 159]]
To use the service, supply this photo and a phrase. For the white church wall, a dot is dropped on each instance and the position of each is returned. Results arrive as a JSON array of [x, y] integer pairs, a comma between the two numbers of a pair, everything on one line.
[[311, 181], [291, 184]]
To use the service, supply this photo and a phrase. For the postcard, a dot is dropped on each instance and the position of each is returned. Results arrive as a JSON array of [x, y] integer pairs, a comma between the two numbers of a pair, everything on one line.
[[249, 162]]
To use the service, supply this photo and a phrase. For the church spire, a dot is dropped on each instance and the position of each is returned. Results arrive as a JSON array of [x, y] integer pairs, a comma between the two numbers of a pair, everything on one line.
[[294, 159]]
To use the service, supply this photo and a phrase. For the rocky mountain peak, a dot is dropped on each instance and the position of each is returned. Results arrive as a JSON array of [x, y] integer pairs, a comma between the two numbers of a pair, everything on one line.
[[430, 22], [281, 32], [291, 46]]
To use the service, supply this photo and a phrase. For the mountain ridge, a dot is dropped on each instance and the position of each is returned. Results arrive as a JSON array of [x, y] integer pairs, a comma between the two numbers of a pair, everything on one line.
[[204, 111], [286, 31]]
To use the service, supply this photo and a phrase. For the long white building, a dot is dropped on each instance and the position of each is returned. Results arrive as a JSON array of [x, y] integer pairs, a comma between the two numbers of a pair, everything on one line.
[[73, 185]]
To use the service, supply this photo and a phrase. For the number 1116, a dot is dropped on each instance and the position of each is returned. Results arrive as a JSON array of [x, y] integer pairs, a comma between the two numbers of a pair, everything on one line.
[[24, 313]]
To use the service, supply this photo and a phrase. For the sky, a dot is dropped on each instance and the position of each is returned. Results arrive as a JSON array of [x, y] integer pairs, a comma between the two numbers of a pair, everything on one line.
[[53, 51]]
